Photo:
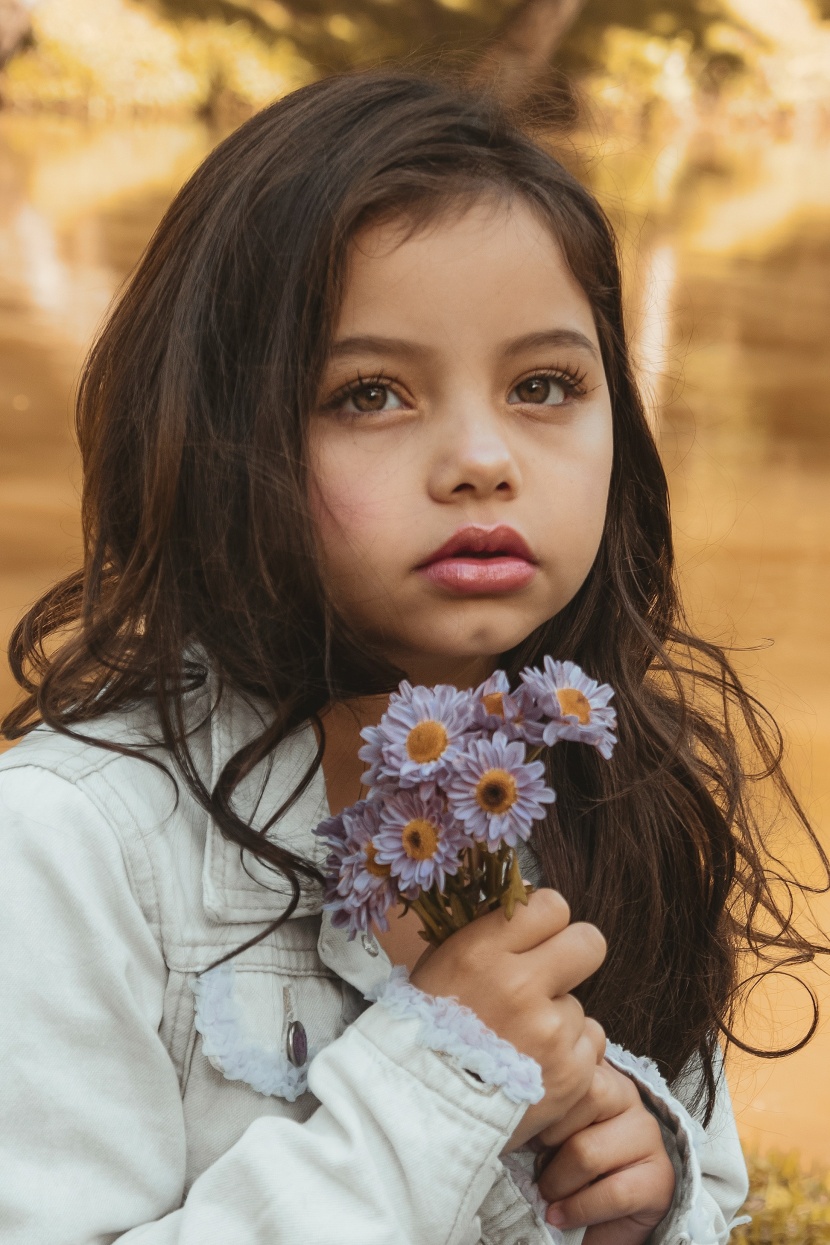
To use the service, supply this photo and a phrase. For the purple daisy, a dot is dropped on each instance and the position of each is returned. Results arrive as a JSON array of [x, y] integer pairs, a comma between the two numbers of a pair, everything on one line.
[[577, 705], [419, 840], [515, 714], [496, 793], [359, 890], [418, 736]]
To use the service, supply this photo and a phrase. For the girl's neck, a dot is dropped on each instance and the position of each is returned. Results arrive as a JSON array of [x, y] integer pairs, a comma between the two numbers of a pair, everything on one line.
[[342, 768], [344, 720]]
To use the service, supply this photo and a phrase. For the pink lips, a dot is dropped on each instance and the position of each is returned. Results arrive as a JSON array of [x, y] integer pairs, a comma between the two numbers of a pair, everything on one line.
[[478, 561]]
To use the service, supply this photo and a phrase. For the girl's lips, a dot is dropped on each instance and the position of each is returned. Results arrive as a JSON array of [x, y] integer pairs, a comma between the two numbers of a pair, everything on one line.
[[480, 576], [498, 541]]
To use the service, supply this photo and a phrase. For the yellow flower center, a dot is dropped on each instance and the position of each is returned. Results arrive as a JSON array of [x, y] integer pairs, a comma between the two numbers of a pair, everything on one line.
[[573, 702], [426, 742], [372, 866], [420, 839], [494, 703], [496, 791]]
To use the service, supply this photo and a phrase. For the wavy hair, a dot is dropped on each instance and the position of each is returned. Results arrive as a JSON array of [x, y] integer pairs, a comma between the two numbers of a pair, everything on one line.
[[191, 417]]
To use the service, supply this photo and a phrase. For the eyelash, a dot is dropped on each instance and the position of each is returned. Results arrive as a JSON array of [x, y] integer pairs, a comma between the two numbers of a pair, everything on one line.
[[572, 381], [354, 386]]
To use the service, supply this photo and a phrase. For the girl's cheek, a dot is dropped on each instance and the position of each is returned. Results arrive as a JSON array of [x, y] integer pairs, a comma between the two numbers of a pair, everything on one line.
[[348, 512], [578, 525]]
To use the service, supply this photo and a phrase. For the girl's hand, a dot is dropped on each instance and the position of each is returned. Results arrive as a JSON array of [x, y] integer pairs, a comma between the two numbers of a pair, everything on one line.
[[516, 976], [611, 1169]]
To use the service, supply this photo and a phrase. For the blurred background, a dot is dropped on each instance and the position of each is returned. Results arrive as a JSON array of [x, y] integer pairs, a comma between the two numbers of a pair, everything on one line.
[[704, 126]]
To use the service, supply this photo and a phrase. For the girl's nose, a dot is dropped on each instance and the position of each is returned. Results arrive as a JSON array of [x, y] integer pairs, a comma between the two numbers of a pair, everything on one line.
[[473, 456]]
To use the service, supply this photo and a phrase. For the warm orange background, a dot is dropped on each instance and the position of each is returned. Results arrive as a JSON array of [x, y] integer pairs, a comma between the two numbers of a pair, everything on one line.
[[728, 260]]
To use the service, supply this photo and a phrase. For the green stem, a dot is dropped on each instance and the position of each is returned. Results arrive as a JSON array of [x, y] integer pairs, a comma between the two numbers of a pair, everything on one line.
[[428, 919], [441, 910], [492, 875]]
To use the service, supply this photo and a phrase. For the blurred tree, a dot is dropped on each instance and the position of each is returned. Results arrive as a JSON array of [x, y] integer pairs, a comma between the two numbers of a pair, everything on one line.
[[513, 42], [519, 55], [239, 53], [15, 24], [690, 18], [336, 35]]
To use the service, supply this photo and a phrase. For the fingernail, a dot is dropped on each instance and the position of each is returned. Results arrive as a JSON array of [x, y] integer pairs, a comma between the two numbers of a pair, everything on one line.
[[556, 1215]]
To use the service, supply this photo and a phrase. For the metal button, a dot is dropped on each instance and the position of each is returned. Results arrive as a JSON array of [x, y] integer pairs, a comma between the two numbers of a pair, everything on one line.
[[369, 944], [523, 1241], [297, 1043]]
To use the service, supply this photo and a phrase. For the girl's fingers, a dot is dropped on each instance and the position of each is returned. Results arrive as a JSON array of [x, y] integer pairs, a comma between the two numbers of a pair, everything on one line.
[[630, 1195], [610, 1094], [545, 914], [602, 1148], [618, 1232], [595, 1034], [564, 961]]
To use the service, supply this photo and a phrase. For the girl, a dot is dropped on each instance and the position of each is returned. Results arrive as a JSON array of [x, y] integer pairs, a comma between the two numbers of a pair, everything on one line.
[[379, 318]]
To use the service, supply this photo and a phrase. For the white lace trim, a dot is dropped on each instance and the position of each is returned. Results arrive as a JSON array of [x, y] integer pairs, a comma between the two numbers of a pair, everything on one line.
[[230, 1050], [455, 1030], [647, 1073]]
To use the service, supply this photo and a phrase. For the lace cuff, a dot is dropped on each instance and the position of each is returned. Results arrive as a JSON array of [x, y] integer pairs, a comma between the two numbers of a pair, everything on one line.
[[449, 1027]]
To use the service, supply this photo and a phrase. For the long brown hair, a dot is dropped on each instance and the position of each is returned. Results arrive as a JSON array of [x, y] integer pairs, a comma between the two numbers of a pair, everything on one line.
[[191, 418]]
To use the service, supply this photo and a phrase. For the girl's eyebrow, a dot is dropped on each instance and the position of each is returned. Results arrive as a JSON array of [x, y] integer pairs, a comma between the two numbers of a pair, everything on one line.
[[379, 345], [553, 337], [397, 345]]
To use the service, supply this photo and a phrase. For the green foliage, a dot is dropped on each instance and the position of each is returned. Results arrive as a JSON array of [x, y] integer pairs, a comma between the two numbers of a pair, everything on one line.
[[335, 35], [688, 20], [223, 56], [127, 57], [789, 1205]]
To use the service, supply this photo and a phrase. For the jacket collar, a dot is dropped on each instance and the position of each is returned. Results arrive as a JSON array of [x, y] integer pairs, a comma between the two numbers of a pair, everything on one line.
[[236, 893]]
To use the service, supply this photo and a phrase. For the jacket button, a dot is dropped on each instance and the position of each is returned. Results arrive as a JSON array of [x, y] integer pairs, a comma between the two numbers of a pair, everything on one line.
[[297, 1043], [369, 944]]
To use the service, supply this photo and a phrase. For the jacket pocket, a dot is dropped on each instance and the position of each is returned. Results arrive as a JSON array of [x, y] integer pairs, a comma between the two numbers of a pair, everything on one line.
[[263, 1025]]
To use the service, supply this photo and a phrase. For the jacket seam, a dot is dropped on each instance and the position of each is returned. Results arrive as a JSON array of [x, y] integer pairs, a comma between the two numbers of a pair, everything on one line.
[[464, 1208], [63, 767], [83, 790], [399, 1067], [154, 917]]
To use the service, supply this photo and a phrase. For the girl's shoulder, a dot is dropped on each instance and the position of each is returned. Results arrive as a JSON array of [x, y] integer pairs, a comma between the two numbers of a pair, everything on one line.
[[82, 749], [65, 788], [124, 751], [113, 766]]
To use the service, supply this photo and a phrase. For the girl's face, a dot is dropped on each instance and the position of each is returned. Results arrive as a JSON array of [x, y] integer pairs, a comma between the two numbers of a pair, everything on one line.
[[464, 398]]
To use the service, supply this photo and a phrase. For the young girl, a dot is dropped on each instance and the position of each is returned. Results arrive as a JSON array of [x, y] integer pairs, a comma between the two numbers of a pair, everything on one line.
[[378, 319]]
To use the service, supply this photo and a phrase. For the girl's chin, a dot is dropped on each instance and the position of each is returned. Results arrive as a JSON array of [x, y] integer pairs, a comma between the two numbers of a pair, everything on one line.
[[458, 661]]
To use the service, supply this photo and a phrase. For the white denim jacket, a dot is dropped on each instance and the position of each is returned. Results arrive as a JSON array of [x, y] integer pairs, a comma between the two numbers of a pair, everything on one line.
[[141, 1104]]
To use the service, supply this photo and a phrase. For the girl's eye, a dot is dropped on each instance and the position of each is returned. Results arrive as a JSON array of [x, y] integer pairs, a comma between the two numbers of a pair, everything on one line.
[[542, 391], [366, 398]]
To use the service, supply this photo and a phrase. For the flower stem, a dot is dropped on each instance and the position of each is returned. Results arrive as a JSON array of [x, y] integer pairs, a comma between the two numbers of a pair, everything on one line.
[[434, 928]]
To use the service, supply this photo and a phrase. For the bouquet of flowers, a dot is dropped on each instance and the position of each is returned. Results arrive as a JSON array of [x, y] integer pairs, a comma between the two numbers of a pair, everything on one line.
[[454, 782]]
